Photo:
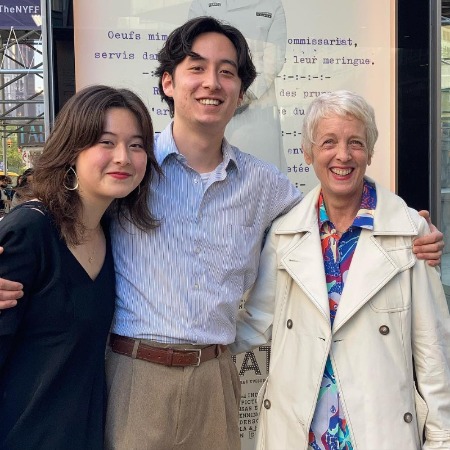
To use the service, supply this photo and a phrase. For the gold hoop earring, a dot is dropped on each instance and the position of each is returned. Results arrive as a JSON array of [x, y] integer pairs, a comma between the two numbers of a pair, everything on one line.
[[68, 174]]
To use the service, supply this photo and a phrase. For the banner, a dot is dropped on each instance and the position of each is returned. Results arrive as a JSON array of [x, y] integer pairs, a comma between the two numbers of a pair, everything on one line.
[[300, 49], [20, 14]]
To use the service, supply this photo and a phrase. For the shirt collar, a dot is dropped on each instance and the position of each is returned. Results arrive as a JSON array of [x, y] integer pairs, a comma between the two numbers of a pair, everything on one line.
[[165, 146], [229, 154], [365, 214]]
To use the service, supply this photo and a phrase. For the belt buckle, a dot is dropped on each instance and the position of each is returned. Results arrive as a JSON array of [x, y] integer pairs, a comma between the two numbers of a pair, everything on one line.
[[199, 356]]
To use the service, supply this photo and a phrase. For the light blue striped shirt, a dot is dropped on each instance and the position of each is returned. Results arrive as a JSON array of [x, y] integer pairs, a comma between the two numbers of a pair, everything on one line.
[[182, 282]]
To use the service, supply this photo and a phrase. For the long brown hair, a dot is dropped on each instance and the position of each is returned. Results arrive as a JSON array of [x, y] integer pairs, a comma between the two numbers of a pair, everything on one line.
[[78, 126]]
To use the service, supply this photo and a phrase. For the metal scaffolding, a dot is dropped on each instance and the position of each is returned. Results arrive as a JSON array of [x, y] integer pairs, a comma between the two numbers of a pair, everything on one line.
[[22, 83]]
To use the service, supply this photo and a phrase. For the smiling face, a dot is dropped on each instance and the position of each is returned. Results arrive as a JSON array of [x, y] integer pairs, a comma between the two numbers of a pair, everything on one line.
[[206, 87], [340, 157], [115, 165]]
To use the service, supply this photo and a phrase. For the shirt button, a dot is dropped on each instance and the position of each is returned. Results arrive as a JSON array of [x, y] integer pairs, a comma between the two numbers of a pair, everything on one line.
[[384, 329], [408, 417], [289, 324], [267, 404], [195, 180], [196, 286]]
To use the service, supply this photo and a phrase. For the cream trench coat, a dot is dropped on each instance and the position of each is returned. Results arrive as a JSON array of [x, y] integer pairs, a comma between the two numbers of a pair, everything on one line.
[[392, 310]]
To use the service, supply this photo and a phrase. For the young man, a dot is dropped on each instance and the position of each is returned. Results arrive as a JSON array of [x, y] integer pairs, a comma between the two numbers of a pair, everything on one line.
[[172, 382]]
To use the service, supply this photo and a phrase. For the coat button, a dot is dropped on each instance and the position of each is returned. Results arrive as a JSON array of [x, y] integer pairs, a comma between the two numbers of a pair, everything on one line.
[[408, 417], [384, 329], [267, 404], [289, 323]]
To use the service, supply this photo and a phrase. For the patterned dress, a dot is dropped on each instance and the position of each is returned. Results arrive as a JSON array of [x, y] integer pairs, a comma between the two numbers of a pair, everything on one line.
[[329, 429]]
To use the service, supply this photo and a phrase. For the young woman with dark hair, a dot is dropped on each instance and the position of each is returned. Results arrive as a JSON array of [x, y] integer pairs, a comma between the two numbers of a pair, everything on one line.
[[97, 162]]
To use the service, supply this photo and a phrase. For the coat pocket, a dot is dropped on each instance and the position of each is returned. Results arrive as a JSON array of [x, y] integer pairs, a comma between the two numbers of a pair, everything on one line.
[[393, 297]]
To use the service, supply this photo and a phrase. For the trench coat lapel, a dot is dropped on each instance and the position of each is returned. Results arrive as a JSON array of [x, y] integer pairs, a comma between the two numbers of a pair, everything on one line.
[[303, 259], [371, 268], [307, 271]]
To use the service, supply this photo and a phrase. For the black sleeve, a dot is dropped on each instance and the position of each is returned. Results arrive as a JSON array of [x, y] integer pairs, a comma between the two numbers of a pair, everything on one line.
[[22, 234]]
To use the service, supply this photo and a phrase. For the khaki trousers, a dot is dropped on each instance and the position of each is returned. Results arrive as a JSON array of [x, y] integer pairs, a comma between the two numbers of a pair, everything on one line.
[[155, 407]]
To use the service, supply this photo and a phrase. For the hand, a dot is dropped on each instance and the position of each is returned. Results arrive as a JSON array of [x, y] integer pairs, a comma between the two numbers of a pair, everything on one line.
[[10, 292], [429, 247]]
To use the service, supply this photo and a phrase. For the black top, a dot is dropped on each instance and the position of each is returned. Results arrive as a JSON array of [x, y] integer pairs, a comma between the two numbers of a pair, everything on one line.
[[52, 344]]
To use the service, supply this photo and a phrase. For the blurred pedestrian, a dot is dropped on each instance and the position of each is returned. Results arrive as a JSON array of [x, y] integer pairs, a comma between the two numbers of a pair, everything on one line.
[[24, 189]]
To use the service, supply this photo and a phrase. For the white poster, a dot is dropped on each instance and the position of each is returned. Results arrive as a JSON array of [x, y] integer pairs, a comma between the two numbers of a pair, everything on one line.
[[300, 49]]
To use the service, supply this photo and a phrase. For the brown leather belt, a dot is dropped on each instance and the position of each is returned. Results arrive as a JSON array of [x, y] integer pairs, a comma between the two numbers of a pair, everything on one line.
[[167, 356]]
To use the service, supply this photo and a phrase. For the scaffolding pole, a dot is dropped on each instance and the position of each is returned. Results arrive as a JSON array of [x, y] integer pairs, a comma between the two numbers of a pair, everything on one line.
[[3, 127], [47, 47]]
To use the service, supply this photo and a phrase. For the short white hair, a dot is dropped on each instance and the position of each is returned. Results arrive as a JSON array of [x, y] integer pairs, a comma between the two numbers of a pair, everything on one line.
[[339, 103]]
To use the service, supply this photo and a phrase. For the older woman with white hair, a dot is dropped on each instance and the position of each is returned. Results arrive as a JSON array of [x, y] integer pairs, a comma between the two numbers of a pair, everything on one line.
[[360, 327]]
